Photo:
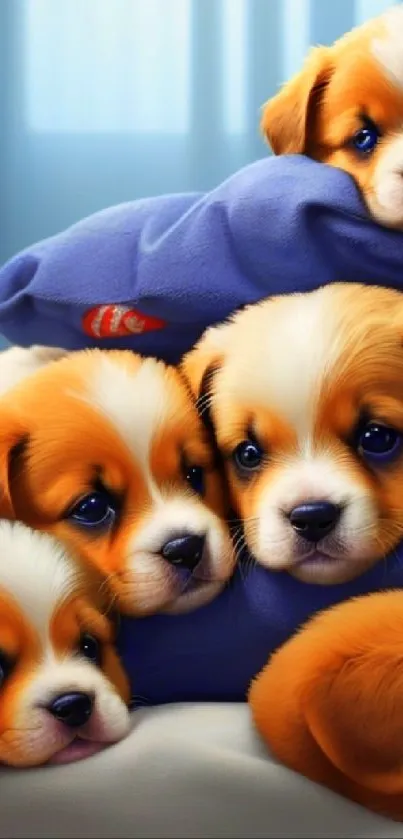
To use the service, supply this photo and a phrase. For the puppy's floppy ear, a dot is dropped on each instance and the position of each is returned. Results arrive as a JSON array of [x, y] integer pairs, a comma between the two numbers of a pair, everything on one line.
[[13, 439], [200, 365], [287, 117], [356, 721], [341, 685]]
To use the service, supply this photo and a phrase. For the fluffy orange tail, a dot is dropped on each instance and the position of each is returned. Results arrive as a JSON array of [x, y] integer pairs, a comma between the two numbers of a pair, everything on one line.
[[329, 703]]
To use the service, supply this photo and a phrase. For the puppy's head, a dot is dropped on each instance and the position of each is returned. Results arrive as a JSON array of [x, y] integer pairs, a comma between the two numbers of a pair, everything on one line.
[[63, 692], [106, 451], [345, 108], [305, 393]]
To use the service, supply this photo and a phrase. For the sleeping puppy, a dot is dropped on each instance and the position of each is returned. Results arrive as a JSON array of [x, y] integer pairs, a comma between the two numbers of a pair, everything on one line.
[[304, 393], [345, 108], [105, 450], [63, 692], [339, 718]]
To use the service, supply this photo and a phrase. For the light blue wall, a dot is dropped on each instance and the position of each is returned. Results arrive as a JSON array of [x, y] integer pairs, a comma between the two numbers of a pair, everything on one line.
[[102, 101]]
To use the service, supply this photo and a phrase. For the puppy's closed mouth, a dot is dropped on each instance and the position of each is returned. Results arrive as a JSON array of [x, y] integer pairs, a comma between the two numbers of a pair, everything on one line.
[[318, 558], [77, 749], [195, 587], [188, 580], [191, 578], [323, 568]]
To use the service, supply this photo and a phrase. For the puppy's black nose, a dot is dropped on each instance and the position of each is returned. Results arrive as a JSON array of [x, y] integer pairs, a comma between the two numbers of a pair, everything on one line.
[[185, 550], [315, 520], [73, 709]]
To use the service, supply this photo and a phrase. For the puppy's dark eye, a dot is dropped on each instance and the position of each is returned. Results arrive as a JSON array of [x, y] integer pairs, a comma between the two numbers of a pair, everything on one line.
[[379, 444], [247, 456], [365, 140], [195, 478], [98, 509], [5, 668], [90, 649]]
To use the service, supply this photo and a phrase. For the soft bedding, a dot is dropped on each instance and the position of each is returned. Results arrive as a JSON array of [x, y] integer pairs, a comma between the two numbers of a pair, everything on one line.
[[151, 275], [192, 771]]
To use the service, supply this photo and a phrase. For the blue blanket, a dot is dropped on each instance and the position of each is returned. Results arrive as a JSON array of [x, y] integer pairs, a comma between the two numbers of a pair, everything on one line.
[[213, 653], [151, 275], [282, 224]]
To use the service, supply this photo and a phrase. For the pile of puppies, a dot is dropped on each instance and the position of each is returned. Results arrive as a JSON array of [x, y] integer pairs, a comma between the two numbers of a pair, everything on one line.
[[119, 476], [340, 678], [105, 452], [133, 466]]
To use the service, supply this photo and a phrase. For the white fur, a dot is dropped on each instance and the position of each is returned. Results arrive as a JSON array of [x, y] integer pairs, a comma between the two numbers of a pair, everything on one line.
[[56, 677], [284, 371], [38, 736], [138, 404], [303, 480], [135, 402], [298, 342], [156, 583], [36, 571], [38, 575], [388, 49], [387, 202], [178, 515], [16, 363]]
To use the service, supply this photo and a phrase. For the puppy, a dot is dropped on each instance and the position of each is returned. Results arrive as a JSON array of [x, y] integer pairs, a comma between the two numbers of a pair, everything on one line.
[[16, 363], [63, 692], [328, 703], [305, 397], [345, 108], [105, 450]]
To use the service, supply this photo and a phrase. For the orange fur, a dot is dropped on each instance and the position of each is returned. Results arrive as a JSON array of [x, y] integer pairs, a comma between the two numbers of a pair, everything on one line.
[[21, 642], [286, 117], [49, 601], [302, 401], [63, 418], [328, 703], [319, 110]]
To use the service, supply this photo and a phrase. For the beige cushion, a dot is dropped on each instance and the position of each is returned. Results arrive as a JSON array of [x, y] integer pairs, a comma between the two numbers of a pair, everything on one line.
[[184, 771]]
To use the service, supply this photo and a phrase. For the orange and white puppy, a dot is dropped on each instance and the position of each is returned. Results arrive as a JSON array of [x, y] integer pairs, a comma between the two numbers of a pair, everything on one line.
[[63, 692], [16, 363], [305, 396], [106, 450], [339, 718], [345, 108]]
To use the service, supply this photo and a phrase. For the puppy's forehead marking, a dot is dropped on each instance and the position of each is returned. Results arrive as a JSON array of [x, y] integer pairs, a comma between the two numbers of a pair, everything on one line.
[[135, 401], [36, 572], [300, 345], [388, 48]]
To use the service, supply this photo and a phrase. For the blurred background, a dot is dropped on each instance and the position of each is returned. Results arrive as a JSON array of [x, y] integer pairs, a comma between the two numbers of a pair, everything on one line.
[[103, 101]]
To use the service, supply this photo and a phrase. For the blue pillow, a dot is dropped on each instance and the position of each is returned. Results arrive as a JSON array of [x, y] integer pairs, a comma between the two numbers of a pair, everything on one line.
[[151, 275]]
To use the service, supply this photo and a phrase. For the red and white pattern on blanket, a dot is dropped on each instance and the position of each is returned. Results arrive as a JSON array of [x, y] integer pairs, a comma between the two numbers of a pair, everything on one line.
[[116, 321]]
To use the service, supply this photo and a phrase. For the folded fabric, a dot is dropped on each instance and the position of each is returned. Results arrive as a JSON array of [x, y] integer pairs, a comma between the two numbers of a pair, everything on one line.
[[152, 274], [213, 653], [184, 772]]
